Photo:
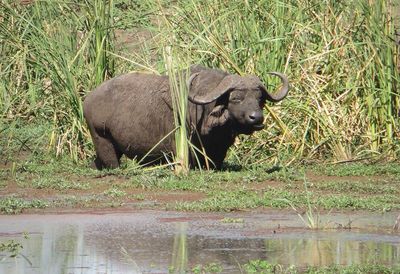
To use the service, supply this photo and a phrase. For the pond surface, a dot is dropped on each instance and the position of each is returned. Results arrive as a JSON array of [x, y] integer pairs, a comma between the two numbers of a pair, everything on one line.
[[152, 241]]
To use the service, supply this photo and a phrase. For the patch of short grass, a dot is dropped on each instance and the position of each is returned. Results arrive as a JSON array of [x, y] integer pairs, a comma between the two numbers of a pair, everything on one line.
[[358, 187], [139, 197], [256, 266], [283, 198], [359, 169], [72, 201], [211, 180], [54, 183], [354, 269], [349, 201], [234, 188], [114, 192], [263, 266], [3, 178], [42, 164], [243, 199], [13, 205]]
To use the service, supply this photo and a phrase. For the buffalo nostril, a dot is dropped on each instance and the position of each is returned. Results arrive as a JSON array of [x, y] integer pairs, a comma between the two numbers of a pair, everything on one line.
[[255, 118]]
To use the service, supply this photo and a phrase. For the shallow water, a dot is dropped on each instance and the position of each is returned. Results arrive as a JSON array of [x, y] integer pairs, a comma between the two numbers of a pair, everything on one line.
[[153, 241]]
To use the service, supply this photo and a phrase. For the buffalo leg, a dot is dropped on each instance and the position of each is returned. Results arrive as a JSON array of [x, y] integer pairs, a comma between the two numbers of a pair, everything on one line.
[[107, 153]]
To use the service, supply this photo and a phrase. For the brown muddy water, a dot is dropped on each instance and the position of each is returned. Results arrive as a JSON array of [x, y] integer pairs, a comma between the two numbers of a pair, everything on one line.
[[149, 241]]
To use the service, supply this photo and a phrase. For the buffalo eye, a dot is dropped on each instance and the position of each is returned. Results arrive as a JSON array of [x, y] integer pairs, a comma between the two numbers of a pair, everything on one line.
[[236, 100]]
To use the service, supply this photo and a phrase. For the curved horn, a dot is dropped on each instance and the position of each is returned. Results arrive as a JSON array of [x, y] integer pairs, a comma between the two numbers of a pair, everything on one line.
[[224, 86], [282, 92], [189, 82]]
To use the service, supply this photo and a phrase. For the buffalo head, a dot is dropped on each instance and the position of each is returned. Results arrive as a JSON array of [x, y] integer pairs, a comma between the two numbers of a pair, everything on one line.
[[243, 99]]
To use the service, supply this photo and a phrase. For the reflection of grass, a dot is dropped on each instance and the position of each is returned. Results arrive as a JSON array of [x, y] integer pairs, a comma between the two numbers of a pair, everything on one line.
[[13, 249], [207, 268], [396, 225], [180, 250]]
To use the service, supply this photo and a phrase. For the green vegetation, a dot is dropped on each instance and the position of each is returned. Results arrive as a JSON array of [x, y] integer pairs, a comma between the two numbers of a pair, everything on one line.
[[344, 99], [208, 268], [114, 192], [13, 205], [68, 184], [360, 169], [343, 107], [54, 183], [232, 220], [261, 266], [342, 112], [264, 267], [11, 247], [54, 52], [179, 95]]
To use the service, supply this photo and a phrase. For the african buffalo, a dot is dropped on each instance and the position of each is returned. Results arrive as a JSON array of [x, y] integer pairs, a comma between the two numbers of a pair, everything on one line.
[[131, 113]]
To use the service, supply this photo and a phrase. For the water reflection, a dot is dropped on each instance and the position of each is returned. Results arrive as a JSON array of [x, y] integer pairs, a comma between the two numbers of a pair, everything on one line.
[[153, 242]]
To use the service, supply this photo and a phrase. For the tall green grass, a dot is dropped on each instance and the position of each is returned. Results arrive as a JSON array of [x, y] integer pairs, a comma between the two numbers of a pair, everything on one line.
[[179, 95], [53, 53], [341, 60], [339, 55]]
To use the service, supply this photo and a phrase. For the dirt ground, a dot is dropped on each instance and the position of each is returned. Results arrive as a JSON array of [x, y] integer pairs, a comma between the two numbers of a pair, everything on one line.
[[96, 194]]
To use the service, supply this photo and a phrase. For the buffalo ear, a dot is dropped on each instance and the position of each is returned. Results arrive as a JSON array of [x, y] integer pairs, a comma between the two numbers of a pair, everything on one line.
[[217, 117]]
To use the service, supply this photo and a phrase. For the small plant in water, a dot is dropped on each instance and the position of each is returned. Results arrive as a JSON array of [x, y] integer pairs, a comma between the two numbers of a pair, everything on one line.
[[312, 219]]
